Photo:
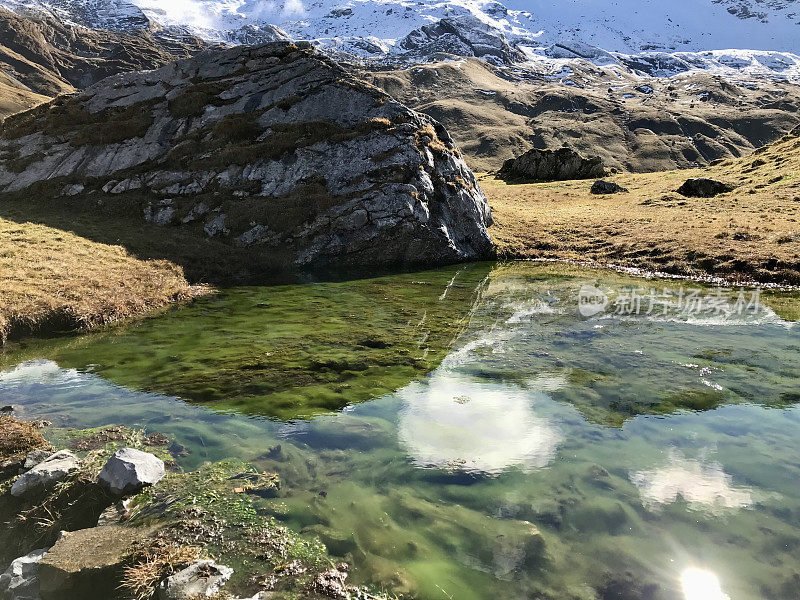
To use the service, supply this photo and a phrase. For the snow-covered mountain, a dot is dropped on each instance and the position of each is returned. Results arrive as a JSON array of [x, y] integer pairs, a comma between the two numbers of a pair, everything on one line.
[[655, 36]]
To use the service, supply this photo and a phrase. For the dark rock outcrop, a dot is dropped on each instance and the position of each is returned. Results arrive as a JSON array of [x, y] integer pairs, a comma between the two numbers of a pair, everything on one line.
[[551, 165], [601, 187], [703, 188], [273, 148]]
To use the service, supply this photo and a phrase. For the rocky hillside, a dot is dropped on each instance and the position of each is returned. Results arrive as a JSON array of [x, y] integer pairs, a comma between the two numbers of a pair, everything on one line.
[[274, 151], [639, 124], [47, 56]]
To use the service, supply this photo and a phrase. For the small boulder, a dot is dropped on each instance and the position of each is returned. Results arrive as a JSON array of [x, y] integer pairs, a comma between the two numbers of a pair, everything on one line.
[[115, 514], [703, 188], [21, 579], [130, 470], [46, 474], [607, 187], [201, 579]]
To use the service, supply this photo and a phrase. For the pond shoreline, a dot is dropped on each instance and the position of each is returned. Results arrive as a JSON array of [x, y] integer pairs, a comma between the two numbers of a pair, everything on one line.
[[75, 535]]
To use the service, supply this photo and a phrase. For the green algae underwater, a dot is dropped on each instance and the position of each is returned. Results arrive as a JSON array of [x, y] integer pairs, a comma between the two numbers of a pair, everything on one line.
[[468, 433]]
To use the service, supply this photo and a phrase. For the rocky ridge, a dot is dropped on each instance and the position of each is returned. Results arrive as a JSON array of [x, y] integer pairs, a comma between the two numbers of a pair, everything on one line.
[[646, 35], [273, 148]]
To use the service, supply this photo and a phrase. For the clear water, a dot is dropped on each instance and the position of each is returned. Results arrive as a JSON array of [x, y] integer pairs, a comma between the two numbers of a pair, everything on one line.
[[466, 433]]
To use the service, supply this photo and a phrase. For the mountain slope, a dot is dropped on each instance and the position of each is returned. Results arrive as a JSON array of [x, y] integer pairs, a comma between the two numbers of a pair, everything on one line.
[[49, 57], [623, 26], [495, 113], [16, 97], [394, 28]]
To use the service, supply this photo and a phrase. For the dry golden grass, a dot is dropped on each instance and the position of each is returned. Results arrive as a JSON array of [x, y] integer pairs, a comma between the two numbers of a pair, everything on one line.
[[751, 233], [15, 98], [154, 564], [17, 438], [55, 279], [494, 115]]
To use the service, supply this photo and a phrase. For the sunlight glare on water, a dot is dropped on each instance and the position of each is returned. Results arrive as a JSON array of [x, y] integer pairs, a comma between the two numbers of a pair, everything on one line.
[[701, 585]]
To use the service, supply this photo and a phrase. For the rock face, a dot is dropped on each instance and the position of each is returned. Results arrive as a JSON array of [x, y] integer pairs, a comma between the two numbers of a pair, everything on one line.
[[271, 147], [21, 579], [703, 188], [201, 579], [601, 186], [46, 474], [36, 457], [131, 470], [464, 35], [552, 165]]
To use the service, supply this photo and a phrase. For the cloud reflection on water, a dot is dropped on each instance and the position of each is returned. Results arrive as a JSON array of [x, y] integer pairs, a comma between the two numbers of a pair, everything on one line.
[[452, 421], [702, 483]]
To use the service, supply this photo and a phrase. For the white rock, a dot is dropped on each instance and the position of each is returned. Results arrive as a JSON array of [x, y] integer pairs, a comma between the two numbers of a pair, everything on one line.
[[130, 470], [46, 474], [216, 226], [201, 579], [35, 457], [73, 190], [21, 579]]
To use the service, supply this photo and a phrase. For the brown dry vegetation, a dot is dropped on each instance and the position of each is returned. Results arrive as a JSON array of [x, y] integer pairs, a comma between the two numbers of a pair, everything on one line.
[[55, 279], [17, 438], [15, 98], [751, 233]]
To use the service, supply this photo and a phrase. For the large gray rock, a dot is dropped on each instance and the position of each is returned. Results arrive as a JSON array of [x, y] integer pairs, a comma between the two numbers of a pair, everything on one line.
[[201, 579], [274, 150], [36, 457], [130, 470], [552, 165], [46, 474], [21, 579]]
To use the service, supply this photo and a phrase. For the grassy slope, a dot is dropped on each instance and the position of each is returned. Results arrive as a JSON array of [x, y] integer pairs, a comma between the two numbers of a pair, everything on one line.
[[494, 115], [14, 97], [751, 233], [56, 279]]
